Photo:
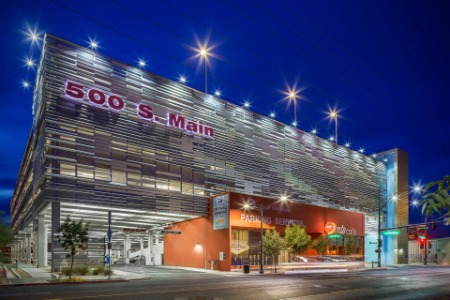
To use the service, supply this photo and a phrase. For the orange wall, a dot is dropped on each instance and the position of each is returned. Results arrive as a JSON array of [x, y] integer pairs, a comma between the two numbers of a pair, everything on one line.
[[182, 249]]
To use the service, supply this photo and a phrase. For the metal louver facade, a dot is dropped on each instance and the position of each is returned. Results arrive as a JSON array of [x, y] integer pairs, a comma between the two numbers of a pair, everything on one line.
[[90, 155]]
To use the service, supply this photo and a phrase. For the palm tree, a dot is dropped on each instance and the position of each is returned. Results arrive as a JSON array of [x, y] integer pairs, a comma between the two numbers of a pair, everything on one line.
[[436, 198]]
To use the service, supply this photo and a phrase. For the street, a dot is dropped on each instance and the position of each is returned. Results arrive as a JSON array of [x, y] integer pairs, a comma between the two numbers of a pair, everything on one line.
[[406, 282]]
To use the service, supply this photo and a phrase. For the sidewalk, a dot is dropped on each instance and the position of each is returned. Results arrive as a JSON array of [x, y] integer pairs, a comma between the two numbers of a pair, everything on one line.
[[42, 276]]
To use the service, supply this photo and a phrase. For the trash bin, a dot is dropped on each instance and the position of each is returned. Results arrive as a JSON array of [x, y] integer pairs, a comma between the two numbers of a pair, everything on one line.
[[246, 269]]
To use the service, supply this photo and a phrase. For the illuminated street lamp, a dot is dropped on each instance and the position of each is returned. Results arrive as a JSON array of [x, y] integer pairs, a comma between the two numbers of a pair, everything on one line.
[[29, 62], [261, 212], [292, 96], [334, 116], [142, 63], [417, 189], [378, 251], [203, 52], [93, 44], [33, 35]]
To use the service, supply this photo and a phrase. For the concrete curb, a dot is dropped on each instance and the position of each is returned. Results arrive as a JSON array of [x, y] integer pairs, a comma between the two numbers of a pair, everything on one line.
[[9, 274], [15, 273], [59, 283]]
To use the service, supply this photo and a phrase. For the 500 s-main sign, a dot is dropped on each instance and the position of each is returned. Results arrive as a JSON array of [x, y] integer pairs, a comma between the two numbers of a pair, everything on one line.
[[144, 111]]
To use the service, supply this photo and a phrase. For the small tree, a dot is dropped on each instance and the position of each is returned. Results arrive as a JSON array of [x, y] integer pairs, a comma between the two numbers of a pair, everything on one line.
[[272, 245], [6, 236], [320, 244], [296, 239], [73, 236], [436, 198], [350, 244]]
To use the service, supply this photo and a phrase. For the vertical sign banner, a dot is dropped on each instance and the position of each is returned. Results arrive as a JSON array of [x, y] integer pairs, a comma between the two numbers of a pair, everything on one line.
[[220, 212]]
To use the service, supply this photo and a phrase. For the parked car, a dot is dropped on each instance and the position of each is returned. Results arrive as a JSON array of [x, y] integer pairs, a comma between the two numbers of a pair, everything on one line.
[[137, 260], [305, 259]]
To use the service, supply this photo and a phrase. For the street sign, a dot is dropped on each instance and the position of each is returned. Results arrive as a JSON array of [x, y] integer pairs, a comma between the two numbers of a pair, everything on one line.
[[134, 230], [391, 232], [334, 236], [171, 231]]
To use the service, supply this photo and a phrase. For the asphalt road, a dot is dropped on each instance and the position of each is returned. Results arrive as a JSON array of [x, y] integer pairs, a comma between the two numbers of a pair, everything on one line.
[[401, 283]]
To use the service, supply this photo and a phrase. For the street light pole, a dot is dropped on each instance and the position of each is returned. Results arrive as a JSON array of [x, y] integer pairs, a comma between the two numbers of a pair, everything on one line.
[[379, 233], [336, 127], [261, 269], [206, 77], [203, 52], [334, 115], [292, 95]]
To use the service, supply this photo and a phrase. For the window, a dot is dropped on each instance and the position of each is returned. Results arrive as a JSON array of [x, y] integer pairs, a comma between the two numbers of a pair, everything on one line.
[[66, 169], [119, 177]]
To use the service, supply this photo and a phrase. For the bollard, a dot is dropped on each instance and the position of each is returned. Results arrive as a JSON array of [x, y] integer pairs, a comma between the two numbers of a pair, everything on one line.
[[372, 264], [17, 264]]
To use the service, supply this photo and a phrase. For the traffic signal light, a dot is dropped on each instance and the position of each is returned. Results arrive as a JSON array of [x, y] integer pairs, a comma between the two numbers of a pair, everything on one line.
[[422, 243], [380, 242]]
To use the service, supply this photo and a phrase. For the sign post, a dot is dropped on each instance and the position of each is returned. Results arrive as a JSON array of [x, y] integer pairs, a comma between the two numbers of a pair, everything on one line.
[[109, 243]]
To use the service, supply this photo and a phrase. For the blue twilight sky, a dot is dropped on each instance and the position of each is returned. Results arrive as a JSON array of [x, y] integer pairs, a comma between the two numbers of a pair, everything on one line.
[[383, 64]]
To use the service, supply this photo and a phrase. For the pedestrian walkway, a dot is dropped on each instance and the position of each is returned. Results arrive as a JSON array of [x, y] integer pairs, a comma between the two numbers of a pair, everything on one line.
[[40, 276]]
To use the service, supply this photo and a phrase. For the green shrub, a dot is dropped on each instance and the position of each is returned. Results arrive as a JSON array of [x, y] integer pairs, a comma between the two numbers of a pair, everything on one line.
[[65, 271], [5, 259], [80, 270], [107, 271]]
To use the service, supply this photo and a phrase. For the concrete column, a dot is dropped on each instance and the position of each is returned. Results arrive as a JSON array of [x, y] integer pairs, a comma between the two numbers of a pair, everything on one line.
[[157, 258], [57, 251], [41, 238], [149, 260], [28, 257], [126, 249], [21, 251], [46, 245]]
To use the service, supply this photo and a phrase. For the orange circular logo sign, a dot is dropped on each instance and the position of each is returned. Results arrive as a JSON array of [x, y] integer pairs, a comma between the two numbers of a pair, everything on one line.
[[330, 227]]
